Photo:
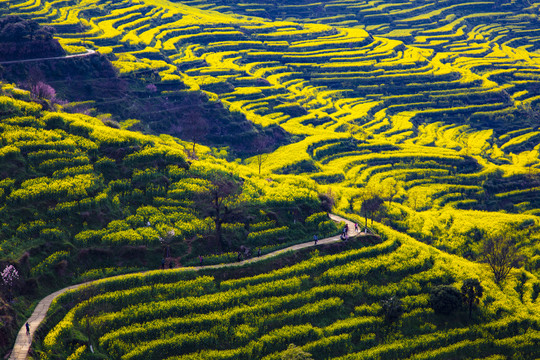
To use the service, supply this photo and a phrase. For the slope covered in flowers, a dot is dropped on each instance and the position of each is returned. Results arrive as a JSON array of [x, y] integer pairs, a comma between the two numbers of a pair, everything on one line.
[[69, 182], [329, 304], [459, 105]]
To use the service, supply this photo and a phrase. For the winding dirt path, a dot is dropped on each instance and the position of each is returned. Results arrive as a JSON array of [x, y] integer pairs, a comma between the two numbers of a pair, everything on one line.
[[23, 342]]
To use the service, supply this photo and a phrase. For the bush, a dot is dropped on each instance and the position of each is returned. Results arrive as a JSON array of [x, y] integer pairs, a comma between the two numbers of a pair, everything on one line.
[[295, 353], [392, 309], [445, 299]]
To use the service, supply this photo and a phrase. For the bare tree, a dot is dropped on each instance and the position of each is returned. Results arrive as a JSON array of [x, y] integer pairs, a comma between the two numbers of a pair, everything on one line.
[[327, 201], [262, 145], [501, 254], [219, 200], [194, 126]]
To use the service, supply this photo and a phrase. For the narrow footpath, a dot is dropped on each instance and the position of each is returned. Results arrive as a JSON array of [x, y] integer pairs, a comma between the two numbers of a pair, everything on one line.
[[24, 340], [88, 52]]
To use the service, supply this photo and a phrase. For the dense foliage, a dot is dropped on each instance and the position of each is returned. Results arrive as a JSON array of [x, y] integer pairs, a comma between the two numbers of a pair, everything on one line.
[[445, 299], [23, 39]]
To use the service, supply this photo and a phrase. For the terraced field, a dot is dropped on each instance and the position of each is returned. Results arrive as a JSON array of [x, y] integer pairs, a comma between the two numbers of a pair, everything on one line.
[[431, 105], [453, 104], [334, 82], [329, 305]]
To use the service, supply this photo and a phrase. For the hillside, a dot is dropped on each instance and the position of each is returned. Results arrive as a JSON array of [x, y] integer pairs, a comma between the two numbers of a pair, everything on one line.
[[81, 200], [329, 304], [427, 109], [26, 39], [447, 133]]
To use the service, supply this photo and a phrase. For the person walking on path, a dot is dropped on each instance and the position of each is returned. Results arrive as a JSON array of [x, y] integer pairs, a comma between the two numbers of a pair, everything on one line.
[[356, 227], [258, 252], [27, 329], [315, 238]]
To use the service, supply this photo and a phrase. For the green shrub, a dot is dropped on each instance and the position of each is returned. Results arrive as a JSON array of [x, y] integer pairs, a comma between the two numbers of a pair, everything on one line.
[[445, 299]]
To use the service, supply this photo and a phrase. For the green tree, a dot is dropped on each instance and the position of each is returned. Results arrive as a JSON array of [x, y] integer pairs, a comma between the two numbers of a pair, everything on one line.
[[471, 292], [390, 188], [293, 352], [444, 299], [417, 198], [371, 205]]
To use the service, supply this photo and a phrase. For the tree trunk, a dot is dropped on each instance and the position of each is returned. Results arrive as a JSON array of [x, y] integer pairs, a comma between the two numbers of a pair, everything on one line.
[[218, 232], [217, 219], [365, 216]]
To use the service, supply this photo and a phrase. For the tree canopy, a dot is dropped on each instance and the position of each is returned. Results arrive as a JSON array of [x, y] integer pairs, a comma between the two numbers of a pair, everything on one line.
[[471, 292], [15, 29]]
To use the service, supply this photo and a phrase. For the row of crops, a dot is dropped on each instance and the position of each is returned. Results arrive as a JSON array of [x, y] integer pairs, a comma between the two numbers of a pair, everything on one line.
[[329, 305], [276, 68], [331, 83], [422, 23]]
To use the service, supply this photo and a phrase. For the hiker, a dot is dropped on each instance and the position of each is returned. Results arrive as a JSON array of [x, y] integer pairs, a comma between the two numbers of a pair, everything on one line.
[[315, 238], [27, 329], [200, 260], [346, 229], [356, 227], [258, 252], [244, 250], [162, 263]]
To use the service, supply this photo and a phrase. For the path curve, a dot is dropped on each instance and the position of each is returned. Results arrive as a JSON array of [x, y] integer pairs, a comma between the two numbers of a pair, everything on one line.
[[23, 342], [88, 52]]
